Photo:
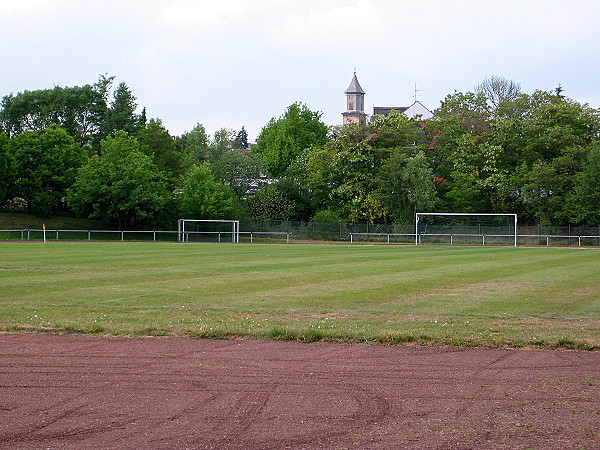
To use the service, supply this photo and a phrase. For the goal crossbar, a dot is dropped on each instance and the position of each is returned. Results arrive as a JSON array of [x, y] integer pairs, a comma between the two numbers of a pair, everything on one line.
[[418, 215]]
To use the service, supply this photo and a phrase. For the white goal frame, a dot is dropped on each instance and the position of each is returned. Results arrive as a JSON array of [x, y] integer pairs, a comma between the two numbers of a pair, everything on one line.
[[183, 235], [417, 215]]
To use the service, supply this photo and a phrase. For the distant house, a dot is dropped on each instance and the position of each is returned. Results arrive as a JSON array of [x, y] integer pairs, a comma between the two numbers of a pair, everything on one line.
[[416, 109]]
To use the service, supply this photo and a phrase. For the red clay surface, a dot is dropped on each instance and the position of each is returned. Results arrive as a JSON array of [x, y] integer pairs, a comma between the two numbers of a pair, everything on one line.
[[95, 392]]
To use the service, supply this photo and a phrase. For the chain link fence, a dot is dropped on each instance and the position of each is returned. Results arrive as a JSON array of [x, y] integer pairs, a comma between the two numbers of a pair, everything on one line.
[[288, 231]]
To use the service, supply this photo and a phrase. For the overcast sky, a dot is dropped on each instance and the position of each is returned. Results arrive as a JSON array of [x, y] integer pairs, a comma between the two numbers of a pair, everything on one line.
[[228, 63]]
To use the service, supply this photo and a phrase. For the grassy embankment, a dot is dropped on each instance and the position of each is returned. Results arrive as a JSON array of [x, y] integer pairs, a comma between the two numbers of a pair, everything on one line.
[[9, 221]]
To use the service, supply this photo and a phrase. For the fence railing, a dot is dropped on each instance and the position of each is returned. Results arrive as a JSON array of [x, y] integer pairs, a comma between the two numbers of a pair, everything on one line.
[[478, 239], [288, 236], [87, 235]]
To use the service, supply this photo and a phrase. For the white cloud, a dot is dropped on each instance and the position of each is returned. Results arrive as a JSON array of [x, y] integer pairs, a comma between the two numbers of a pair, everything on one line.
[[26, 9], [241, 62], [196, 14], [358, 23]]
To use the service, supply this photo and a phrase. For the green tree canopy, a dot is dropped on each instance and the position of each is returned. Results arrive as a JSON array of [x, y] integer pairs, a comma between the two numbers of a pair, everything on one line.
[[80, 110], [406, 185], [156, 142], [283, 139], [46, 164], [222, 142], [193, 146], [205, 198], [585, 199], [344, 174], [120, 185], [7, 168], [121, 114], [237, 170], [520, 153], [270, 204]]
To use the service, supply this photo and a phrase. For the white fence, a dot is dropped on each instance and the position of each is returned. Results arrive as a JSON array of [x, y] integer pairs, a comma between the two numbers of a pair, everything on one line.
[[162, 236], [478, 239], [287, 236]]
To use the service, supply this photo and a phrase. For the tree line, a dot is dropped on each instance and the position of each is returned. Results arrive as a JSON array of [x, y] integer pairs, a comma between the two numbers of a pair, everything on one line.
[[87, 151]]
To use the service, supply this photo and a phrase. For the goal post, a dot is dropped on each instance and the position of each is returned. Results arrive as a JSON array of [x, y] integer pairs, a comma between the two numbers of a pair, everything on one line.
[[447, 225], [214, 230]]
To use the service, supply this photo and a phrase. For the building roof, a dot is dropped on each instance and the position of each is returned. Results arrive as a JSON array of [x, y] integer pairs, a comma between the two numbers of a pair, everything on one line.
[[385, 110], [354, 87], [416, 109]]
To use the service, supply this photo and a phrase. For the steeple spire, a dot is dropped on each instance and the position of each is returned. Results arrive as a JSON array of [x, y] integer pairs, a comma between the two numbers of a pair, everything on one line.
[[355, 103], [354, 87]]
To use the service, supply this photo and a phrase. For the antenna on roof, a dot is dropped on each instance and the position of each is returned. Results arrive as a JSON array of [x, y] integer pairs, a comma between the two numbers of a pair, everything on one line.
[[417, 91]]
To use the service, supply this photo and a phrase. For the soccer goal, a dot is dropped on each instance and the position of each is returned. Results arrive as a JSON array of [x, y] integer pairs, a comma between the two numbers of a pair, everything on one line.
[[466, 228], [192, 230]]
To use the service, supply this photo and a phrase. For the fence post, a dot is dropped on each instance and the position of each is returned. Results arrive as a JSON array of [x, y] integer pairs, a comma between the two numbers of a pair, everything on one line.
[[451, 240], [483, 239]]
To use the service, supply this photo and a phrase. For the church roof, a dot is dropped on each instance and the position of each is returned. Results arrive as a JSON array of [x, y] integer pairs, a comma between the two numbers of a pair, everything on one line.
[[354, 87]]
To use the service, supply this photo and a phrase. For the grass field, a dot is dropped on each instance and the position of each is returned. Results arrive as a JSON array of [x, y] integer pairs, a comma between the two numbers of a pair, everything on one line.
[[548, 297]]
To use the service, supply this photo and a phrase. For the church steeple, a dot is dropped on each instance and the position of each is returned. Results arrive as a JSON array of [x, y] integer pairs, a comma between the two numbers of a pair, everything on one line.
[[355, 104]]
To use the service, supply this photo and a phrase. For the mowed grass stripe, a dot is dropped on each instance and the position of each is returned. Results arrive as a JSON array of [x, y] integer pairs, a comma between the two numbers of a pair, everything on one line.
[[364, 292]]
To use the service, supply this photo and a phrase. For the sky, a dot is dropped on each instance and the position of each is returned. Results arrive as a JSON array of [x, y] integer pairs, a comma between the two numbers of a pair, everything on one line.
[[234, 63]]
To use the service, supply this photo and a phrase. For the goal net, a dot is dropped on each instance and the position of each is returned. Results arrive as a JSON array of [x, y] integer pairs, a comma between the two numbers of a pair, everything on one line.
[[191, 230], [466, 228]]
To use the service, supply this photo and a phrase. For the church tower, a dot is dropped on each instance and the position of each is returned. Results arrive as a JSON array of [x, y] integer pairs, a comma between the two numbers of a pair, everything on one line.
[[355, 104]]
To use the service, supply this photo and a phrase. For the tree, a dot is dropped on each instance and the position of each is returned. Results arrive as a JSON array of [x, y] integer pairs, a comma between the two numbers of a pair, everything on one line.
[[46, 165], [270, 204], [294, 186], [283, 139], [221, 143], [79, 110], [470, 111], [497, 89], [122, 184], [237, 170], [241, 140], [405, 184], [193, 145], [205, 198], [121, 114], [343, 175], [556, 124], [6, 167], [585, 200], [156, 142]]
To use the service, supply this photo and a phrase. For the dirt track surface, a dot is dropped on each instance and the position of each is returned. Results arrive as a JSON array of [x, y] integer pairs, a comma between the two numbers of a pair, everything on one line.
[[94, 392]]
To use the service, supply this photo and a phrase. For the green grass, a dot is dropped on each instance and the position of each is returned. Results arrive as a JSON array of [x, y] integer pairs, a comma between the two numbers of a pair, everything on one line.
[[471, 296]]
